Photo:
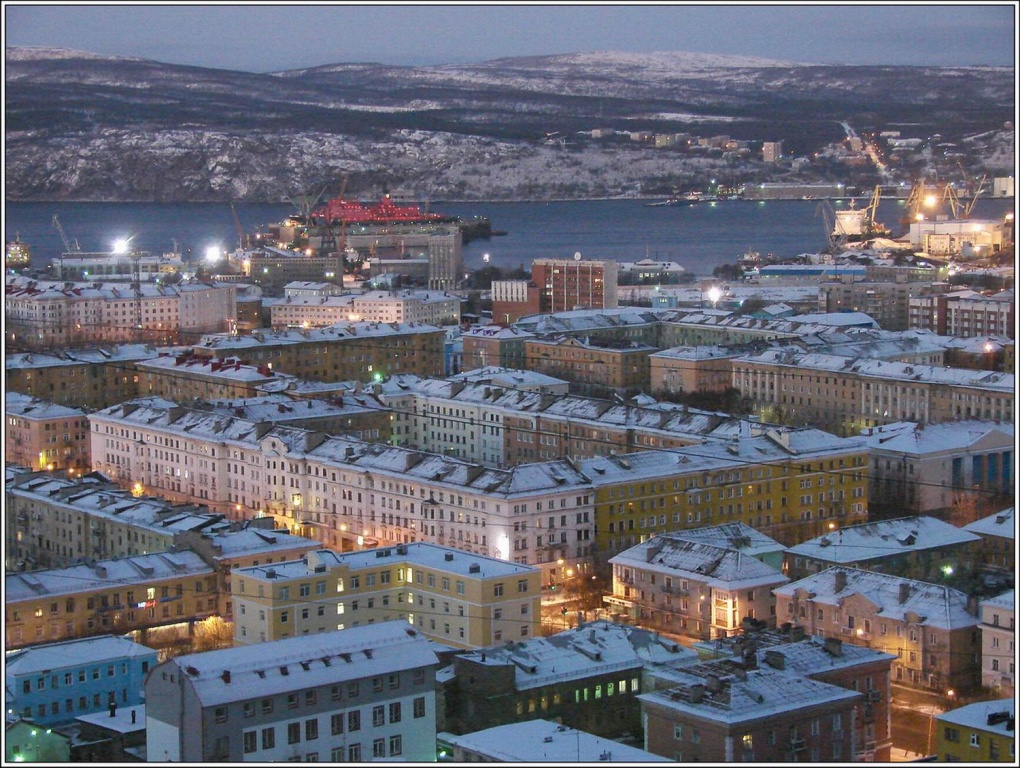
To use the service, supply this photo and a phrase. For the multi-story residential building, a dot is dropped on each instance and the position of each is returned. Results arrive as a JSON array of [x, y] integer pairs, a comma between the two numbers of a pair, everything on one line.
[[116, 736], [362, 694], [923, 548], [761, 715], [541, 741], [57, 682], [998, 636], [787, 483], [458, 599], [965, 313], [43, 435], [686, 370], [592, 365], [520, 417], [931, 629], [49, 315], [925, 469], [343, 352], [828, 660], [846, 395], [694, 588], [588, 677], [495, 345], [88, 379], [123, 595], [887, 302], [982, 732], [997, 551], [559, 285], [187, 377], [428, 307]]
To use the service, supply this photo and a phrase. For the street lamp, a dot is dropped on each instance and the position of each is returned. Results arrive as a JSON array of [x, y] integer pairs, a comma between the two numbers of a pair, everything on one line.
[[714, 294]]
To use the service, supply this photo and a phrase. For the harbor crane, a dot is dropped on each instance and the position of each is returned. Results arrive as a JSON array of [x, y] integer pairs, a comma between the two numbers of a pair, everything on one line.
[[237, 226], [69, 245]]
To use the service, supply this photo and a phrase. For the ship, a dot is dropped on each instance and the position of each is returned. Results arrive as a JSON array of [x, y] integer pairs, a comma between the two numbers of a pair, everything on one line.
[[340, 211], [687, 198], [18, 253]]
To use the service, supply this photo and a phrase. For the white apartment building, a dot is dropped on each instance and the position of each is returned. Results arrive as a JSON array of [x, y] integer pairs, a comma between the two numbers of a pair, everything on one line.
[[366, 693], [307, 310]]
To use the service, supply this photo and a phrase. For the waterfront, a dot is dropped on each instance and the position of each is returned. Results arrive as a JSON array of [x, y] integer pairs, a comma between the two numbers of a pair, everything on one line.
[[699, 237]]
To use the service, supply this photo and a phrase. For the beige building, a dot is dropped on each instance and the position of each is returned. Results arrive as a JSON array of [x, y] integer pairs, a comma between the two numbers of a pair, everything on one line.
[[455, 598], [43, 435], [687, 370], [428, 307], [998, 638], [845, 395], [932, 630]]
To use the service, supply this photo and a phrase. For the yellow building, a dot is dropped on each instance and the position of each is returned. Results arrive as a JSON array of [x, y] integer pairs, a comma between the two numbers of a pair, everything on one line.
[[790, 484], [457, 598], [982, 732]]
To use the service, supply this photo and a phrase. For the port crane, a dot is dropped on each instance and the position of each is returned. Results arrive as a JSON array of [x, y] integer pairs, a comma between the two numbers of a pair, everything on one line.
[[237, 226], [69, 245]]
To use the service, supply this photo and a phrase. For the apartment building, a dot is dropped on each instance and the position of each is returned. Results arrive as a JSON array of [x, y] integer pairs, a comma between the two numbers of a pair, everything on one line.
[[521, 417], [760, 715], [52, 314], [923, 548], [887, 302], [54, 683], [186, 377], [365, 693], [998, 637], [931, 629], [982, 732], [458, 599], [845, 395], [965, 313], [426, 307], [828, 660], [787, 483], [343, 352], [694, 588], [43, 435], [495, 345], [588, 678], [997, 550], [687, 370], [94, 378], [924, 469], [573, 284], [592, 366], [122, 595]]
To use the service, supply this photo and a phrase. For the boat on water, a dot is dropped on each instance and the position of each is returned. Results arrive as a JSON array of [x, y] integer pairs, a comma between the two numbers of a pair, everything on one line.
[[17, 253], [687, 198]]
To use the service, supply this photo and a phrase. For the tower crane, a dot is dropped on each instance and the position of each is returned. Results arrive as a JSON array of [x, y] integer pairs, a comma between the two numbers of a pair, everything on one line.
[[237, 226], [69, 246]]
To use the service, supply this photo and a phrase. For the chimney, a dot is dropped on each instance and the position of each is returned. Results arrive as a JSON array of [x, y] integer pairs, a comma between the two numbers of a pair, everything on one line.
[[841, 581], [714, 684], [775, 659], [972, 605], [904, 591], [113, 709], [134, 713], [833, 646], [226, 676], [697, 693]]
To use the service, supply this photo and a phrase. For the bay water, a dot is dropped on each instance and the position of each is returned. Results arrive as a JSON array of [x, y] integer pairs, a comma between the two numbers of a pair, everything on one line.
[[699, 237]]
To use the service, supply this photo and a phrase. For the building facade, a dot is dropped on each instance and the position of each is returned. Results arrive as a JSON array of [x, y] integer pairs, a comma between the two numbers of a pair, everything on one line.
[[998, 649], [43, 435], [361, 694]]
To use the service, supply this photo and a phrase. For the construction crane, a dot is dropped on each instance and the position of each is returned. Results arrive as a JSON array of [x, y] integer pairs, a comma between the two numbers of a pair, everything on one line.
[[828, 215], [871, 227], [69, 246]]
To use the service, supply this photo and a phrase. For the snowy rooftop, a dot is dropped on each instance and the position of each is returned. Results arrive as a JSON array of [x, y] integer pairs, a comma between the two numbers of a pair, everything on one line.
[[545, 741], [420, 554], [917, 439], [1000, 524], [124, 719], [1005, 600], [230, 369], [760, 693], [229, 544], [294, 663], [977, 716], [600, 647], [106, 574], [935, 604], [737, 536], [836, 318], [337, 332], [123, 353], [72, 653], [808, 656], [17, 404], [930, 374], [880, 539], [509, 377], [718, 567]]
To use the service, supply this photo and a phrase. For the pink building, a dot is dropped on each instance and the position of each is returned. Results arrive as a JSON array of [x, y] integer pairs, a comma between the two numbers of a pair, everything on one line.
[[43, 435]]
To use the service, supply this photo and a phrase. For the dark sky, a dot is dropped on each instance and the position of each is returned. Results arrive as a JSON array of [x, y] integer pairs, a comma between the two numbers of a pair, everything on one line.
[[276, 37]]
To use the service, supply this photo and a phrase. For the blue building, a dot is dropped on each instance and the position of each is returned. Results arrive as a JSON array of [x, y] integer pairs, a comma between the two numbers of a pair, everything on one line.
[[55, 683]]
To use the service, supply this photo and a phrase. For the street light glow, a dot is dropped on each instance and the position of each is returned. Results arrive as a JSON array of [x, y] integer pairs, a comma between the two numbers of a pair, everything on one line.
[[120, 246]]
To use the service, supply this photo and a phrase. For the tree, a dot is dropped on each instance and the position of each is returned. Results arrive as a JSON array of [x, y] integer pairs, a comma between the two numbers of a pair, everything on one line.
[[212, 634]]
